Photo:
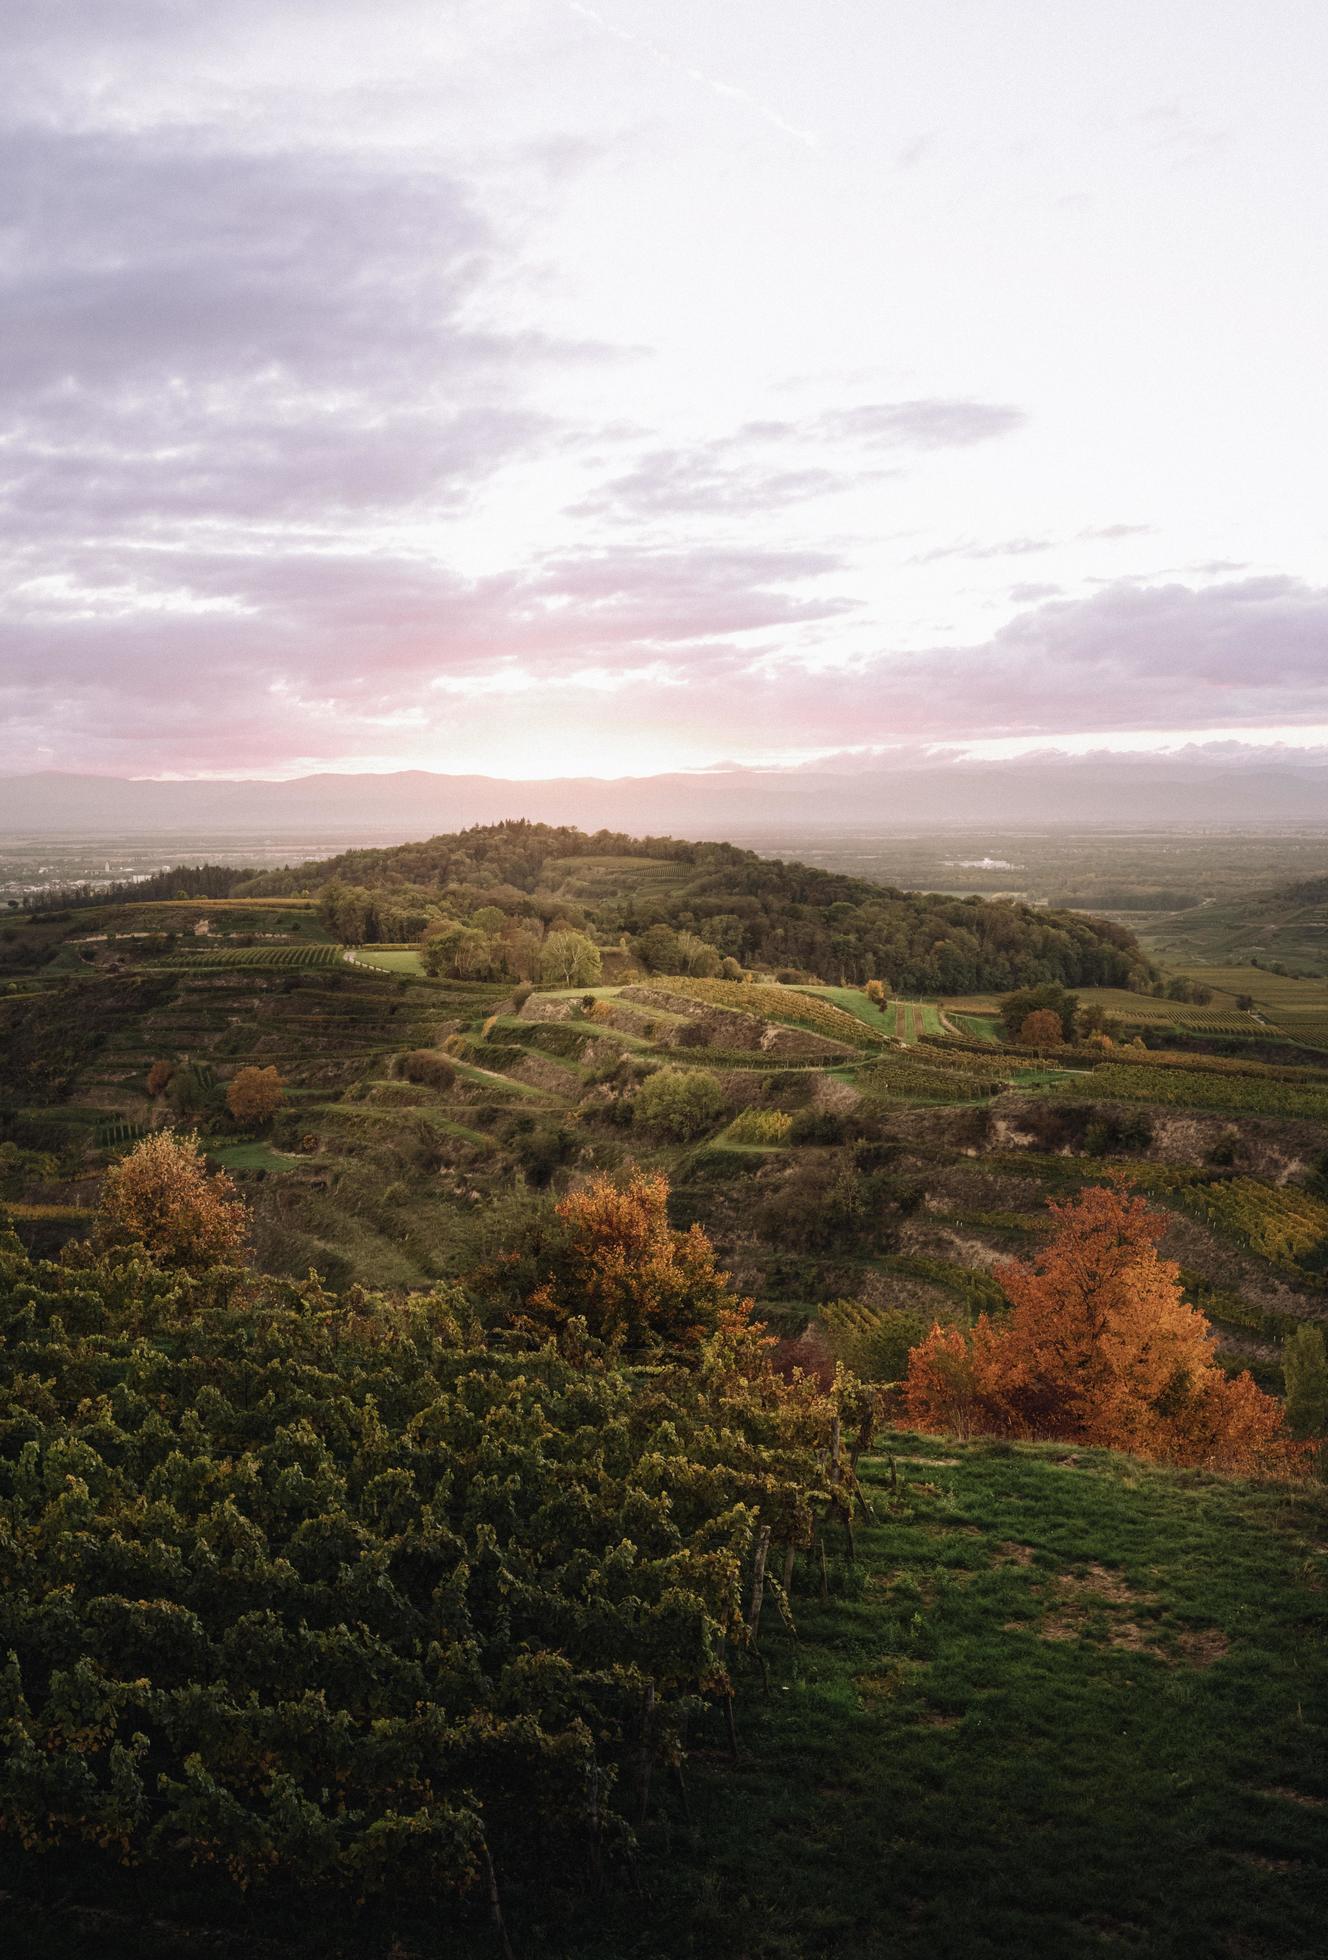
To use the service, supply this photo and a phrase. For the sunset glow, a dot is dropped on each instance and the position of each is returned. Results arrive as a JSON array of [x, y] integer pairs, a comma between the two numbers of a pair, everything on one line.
[[538, 388]]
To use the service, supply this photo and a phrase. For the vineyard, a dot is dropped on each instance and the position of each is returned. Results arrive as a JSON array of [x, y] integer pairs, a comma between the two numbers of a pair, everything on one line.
[[761, 1126], [279, 959], [1280, 1223], [1194, 1088], [358, 1609], [788, 1005]]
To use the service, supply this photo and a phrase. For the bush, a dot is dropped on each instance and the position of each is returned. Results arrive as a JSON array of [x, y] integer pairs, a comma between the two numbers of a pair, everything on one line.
[[161, 1197], [818, 1126], [679, 1102], [426, 1066], [874, 1342]]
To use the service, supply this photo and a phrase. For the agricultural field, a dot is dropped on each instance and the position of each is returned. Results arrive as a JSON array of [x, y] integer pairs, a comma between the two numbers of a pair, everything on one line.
[[1297, 1007], [1172, 1087], [277, 959], [1285, 1225], [1146, 1011], [788, 1006], [404, 960]]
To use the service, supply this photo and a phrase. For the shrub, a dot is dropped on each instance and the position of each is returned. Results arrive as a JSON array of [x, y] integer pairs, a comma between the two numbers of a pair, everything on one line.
[[873, 1342], [158, 1076], [426, 1066], [680, 1102], [1305, 1369], [637, 1282], [1102, 1348], [818, 1126]]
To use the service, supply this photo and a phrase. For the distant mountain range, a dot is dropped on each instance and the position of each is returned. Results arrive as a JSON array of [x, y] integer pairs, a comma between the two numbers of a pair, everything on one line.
[[1100, 791]]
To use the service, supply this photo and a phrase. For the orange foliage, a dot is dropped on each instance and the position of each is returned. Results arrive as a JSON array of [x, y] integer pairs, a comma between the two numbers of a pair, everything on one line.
[[255, 1094], [1041, 1029], [620, 1265], [1100, 1347], [162, 1197]]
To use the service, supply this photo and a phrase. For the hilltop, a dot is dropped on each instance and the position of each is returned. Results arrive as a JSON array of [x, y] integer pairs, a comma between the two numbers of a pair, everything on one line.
[[850, 1157]]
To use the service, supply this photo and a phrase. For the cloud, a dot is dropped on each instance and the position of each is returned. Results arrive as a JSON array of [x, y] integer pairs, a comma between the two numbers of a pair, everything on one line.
[[333, 656], [195, 332], [818, 456], [1001, 548], [939, 424]]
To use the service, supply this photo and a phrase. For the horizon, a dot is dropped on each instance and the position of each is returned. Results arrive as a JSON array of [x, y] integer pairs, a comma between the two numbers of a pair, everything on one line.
[[733, 388]]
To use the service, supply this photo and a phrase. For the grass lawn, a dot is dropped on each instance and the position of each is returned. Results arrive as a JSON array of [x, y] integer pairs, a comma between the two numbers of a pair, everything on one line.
[[855, 1002], [250, 1155], [1065, 1705], [389, 962]]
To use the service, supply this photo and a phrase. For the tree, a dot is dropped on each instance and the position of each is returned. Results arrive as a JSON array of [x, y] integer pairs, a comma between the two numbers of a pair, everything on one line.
[[1305, 1370], [569, 959], [621, 1266], [697, 956], [347, 911], [658, 950], [1040, 1029], [1016, 1008], [161, 1196], [1100, 1347], [254, 1095], [876, 992], [682, 1102], [158, 1076]]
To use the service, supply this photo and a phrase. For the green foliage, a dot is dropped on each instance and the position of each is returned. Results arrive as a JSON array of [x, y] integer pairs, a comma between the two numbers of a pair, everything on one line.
[[874, 1342], [1305, 1371], [736, 905], [680, 1102], [1050, 997], [342, 1602]]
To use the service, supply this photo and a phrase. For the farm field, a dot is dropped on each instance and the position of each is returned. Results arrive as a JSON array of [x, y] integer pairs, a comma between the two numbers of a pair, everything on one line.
[[279, 959], [382, 959], [1296, 1007]]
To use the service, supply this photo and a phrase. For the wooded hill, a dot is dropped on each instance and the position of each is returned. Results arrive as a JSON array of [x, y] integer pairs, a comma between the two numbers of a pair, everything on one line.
[[759, 911]]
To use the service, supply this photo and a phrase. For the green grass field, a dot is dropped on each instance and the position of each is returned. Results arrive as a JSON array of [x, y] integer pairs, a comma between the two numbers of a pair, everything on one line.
[[1065, 1705], [388, 960]]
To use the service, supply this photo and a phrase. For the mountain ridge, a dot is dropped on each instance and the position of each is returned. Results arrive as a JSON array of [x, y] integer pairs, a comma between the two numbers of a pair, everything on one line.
[[1119, 792]]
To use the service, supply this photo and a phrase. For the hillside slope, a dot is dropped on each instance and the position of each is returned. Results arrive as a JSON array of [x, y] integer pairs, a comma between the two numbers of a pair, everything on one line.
[[1061, 1706]]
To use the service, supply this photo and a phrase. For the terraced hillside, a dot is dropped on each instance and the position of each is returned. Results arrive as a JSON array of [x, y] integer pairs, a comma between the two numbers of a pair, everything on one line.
[[887, 1152]]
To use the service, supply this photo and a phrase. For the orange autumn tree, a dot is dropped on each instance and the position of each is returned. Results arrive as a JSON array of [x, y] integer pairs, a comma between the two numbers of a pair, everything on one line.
[[1100, 1347], [163, 1197], [618, 1264]]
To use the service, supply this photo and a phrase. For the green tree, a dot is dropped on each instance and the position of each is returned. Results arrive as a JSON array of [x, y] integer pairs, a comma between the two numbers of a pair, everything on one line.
[[1051, 997], [681, 1102], [569, 959]]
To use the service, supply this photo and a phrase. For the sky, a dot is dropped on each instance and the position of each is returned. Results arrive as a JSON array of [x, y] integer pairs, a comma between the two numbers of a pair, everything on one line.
[[540, 388]]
